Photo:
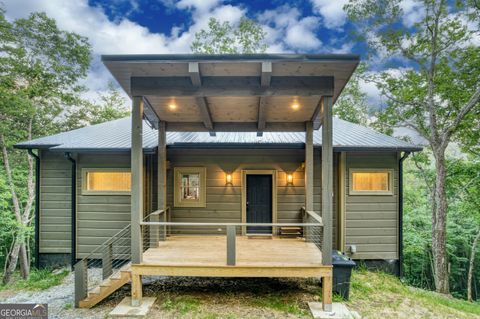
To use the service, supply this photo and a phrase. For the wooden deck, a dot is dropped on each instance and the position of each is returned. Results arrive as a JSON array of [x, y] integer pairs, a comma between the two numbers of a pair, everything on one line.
[[211, 251], [206, 256]]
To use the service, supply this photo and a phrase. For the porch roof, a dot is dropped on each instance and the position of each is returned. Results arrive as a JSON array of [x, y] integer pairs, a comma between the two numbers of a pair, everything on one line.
[[263, 92], [115, 136]]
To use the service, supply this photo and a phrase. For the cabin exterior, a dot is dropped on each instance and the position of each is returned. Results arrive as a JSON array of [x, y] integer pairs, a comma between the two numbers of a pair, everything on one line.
[[230, 166]]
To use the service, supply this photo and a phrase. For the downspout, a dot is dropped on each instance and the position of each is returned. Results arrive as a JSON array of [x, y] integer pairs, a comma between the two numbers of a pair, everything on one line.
[[400, 213], [73, 258], [37, 207]]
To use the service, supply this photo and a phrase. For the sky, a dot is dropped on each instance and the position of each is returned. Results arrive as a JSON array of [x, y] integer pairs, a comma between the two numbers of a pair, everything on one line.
[[169, 26]]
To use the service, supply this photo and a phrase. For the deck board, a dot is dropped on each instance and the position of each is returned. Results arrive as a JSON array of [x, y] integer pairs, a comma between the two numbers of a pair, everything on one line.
[[210, 251]]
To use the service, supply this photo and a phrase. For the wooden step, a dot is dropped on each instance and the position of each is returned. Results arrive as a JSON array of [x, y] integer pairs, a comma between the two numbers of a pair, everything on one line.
[[107, 287]]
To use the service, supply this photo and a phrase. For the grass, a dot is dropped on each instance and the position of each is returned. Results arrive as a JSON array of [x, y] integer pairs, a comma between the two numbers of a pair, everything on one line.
[[39, 279], [280, 303], [373, 292]]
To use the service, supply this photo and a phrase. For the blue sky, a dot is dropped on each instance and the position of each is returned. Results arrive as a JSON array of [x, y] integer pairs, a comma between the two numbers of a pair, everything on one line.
[[169, 26]]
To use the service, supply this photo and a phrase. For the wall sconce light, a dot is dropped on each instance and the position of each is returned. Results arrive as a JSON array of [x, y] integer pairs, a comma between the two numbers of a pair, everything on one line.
[[228, 178], [289, 179]]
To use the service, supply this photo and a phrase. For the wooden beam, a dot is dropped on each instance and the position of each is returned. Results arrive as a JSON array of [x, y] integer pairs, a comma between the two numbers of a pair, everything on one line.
[[327, 179], [266, 74], [194, 71], [136, 290], [317, 116], [137, 179], [205, 113], [235, 271], [262, 105], [233, 86], [236, 127], [149, 113]]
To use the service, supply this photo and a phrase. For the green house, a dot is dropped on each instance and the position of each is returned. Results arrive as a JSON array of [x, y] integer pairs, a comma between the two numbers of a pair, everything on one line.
[[230, 166]]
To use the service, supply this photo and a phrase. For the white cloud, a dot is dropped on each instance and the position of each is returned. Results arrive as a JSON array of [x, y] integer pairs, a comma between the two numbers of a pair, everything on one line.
[[413, 12], [331, 11], [287, 30]]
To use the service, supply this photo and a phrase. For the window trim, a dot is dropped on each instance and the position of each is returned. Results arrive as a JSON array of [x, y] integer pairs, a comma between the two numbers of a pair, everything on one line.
[[86, 191], [178, 201], [388, 192]]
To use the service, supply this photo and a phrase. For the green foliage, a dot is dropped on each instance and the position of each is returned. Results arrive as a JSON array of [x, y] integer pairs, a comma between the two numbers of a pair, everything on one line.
[[463, 191], [352, 105], [110, 106], [40, 279], [224, 38]]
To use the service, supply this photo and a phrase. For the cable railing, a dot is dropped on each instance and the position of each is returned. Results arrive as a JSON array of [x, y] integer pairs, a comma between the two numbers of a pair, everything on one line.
[[109, 258], [311, 231]]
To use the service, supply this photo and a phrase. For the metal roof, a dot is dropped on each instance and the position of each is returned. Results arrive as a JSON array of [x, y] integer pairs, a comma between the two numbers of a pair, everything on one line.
[[232, 57], [114, 136]]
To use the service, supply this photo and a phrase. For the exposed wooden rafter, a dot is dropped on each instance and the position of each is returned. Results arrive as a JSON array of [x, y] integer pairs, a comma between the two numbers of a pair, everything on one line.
[[150, 114], [205, 113], [317, 116], [265, 80], [194, 71]]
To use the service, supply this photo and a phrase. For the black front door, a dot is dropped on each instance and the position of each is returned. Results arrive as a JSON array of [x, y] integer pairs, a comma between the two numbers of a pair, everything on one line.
[[259, 203]]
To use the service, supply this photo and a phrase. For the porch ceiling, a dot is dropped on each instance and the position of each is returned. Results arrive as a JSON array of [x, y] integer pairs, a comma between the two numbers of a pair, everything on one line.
[[260, 92]]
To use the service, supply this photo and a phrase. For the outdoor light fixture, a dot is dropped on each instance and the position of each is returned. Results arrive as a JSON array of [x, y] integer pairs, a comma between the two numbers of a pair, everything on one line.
[[289, 178], [295, 105], [172, 106], [228, 178]]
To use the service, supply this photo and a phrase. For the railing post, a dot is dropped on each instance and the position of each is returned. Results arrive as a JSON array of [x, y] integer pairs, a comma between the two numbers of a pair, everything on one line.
[[81, 281], [231, 245], [107, 257]]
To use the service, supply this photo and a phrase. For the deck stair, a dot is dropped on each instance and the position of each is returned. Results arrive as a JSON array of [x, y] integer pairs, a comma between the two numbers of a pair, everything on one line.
[[107, 287]]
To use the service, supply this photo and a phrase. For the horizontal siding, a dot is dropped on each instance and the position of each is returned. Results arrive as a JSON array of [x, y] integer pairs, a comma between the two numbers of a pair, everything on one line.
[[224, 201], [100, 216], [372, 220], [55, 203]]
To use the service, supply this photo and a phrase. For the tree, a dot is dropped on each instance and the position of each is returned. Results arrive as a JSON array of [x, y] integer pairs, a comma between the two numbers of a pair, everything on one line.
[[352, 105], [222, 37], [40, 66], [111, 105], [437, 94]]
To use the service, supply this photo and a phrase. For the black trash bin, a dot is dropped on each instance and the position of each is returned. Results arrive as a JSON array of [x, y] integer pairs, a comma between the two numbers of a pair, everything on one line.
[[342, 271]]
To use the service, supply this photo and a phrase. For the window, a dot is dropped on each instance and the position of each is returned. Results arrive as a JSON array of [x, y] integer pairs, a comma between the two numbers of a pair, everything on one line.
[[371, 182], [190, 186], [105, 181]]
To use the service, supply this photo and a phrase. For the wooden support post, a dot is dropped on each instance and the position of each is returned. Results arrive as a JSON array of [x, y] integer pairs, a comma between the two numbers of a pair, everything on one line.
[[162, 176], [107, 257], [137, 179], [81, 283], [327, 293], [136, 290], [341, 201], [231, 245], [327, 179], [308, 174]]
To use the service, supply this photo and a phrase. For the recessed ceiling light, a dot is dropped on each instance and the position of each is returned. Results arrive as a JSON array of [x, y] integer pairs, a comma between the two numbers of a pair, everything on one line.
[[172, 106], [295, 105]]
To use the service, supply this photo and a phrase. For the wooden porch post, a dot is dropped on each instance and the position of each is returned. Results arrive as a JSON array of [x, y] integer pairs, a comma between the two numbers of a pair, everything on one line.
[[327, 179], [308, 173], [327, 196], [137, 179], [162, 175]]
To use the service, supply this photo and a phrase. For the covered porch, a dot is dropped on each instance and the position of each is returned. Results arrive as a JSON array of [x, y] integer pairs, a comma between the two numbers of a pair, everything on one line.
[[252, 93]]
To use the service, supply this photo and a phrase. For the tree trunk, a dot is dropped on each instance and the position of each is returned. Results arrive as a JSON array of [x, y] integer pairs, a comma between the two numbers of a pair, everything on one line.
[[470, 268], [439, 226], [12, 262], [24, 261]]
